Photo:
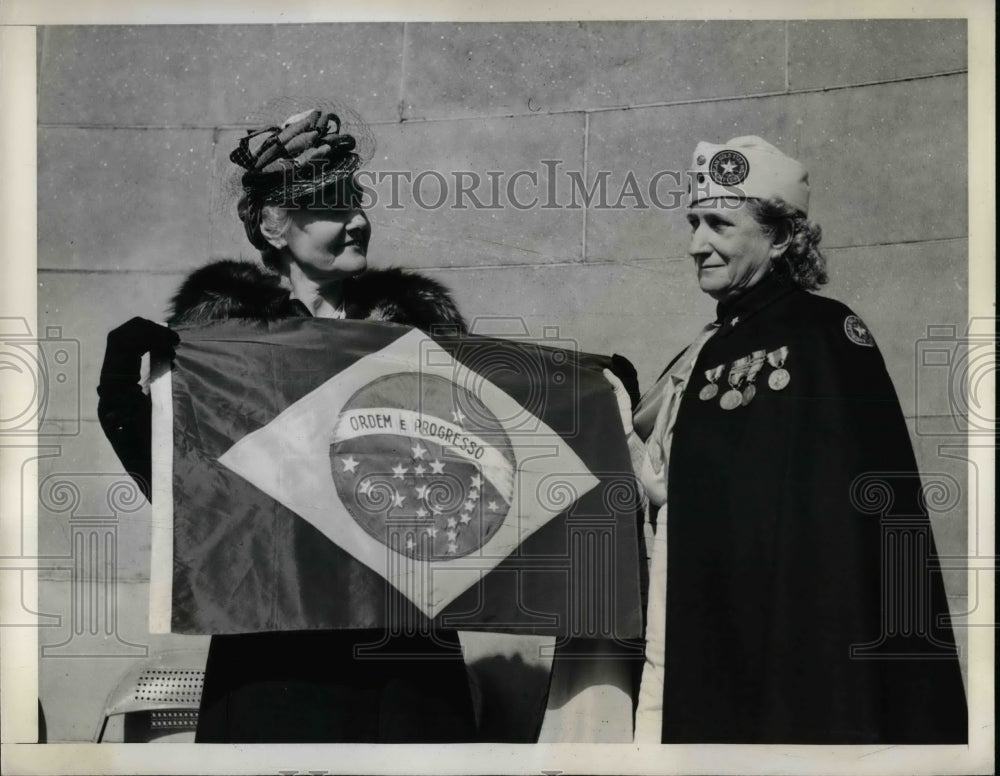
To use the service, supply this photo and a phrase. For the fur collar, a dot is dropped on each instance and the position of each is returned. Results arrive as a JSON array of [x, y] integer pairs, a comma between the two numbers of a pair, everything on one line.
[[241, 289]]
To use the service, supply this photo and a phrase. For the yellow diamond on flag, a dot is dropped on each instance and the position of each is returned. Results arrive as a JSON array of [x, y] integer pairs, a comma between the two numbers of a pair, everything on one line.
[[349, 458]]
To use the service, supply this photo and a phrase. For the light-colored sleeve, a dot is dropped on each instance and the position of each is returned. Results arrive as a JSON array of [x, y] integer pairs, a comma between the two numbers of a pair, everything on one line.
[[652, 481], [649, 708], [637, 452]]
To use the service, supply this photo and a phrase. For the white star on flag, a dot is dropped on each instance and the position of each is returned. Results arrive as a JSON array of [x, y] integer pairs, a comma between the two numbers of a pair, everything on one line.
[[419, 451], [457, 416], [289, 460], [421, 491], [349, 463], [476, 481], [419, 470], [465, 519], [422, 512], [493, 506], [397, 500]]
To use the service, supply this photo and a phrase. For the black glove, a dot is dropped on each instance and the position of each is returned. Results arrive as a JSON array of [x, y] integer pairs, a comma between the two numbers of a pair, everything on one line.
[[124, 410], [123, 355]]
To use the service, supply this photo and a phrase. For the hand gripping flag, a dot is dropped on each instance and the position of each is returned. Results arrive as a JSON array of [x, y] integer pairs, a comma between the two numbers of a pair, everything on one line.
[[342, 474]]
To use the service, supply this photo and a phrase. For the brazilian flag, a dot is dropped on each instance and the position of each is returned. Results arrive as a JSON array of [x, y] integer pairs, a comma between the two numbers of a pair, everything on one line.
[[324, 474]]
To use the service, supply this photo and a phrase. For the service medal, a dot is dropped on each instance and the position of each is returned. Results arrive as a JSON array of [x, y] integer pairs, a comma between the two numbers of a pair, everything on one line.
[[711, 390], [731, 399], [778, 379], [748, 393]]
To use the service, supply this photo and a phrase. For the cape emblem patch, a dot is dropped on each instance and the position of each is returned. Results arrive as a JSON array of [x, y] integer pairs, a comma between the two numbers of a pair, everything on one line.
[[857, 332], [729, 168]]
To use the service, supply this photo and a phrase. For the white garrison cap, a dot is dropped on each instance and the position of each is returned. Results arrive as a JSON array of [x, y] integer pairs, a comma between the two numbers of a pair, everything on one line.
[[747, 167]]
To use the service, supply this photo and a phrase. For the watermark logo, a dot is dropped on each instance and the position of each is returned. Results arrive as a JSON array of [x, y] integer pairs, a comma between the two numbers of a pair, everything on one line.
[[44, 374], [549, 186], [954, 372]]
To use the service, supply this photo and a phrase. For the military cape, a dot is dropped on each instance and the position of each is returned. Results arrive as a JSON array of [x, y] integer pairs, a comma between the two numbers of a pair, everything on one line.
[[805, 603]]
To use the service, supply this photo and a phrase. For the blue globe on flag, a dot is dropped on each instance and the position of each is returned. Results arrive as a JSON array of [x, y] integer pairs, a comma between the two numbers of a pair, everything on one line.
[[422, 465]]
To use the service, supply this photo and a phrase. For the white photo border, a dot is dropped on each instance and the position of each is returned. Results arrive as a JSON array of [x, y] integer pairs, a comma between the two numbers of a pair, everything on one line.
[[19, 645]]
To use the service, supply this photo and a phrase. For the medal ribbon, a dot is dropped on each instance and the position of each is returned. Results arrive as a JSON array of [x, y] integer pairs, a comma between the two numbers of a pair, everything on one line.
[[714, 373], [756, 363], [738, 371], [776, 358]]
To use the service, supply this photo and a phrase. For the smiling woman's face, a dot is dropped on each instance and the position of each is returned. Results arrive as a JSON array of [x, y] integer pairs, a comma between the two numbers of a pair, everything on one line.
[[328, 243], [730, 249]]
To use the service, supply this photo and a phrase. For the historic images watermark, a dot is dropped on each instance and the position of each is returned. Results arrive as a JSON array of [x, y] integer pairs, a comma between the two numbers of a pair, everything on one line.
[[89, 505], [551, 185], [48, 367], [953, 369]]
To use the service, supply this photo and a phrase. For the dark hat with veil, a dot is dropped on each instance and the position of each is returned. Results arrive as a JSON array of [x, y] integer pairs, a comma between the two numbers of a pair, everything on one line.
[[305, 160]]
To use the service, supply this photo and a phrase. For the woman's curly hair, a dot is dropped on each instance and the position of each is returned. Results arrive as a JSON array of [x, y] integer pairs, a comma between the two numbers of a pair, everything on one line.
[[802, 260]]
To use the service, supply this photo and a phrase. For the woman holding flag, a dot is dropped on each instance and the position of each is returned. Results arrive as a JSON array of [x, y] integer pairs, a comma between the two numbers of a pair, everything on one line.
[[301, 207]]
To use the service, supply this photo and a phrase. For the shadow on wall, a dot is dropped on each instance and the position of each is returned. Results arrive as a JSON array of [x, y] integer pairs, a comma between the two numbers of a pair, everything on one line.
[[509, 696]]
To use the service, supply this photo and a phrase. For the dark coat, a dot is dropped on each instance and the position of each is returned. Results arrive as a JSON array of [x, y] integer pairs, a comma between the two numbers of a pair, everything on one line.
[[310, 686], [782, 554], [240, 289]]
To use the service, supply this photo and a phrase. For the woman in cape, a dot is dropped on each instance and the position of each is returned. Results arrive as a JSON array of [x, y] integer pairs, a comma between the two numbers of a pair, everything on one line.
[[795, 594]]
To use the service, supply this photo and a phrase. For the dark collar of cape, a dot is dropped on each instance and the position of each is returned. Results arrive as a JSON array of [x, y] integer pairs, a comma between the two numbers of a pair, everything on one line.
[[228, 289], [770, 288]]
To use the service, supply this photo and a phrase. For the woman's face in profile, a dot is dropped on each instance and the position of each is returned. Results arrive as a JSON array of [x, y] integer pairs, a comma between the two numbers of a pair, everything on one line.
[[730, 249], [329, 242]]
